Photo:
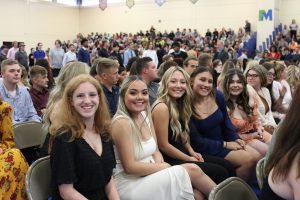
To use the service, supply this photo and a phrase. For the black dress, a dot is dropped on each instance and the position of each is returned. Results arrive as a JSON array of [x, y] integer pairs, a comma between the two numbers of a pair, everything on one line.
[[78, 164], [267, 193], [216, 168]]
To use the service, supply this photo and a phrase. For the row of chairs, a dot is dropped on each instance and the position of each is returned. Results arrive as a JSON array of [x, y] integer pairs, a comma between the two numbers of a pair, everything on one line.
[[38, 177], [38, 180]]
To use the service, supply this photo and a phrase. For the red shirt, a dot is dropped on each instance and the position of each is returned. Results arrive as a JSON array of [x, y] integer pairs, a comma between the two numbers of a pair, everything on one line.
[[39, 99]]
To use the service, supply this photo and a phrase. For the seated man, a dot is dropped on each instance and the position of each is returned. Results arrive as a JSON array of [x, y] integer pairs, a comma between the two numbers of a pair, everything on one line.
[[39, 92], [17, 96], [107, 70]]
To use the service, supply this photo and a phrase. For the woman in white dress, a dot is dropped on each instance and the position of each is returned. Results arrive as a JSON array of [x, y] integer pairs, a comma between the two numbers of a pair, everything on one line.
[[141, 172]]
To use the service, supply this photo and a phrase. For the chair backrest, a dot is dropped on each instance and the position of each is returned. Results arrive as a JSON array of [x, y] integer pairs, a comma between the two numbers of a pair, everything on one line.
[[232, 189], [38, 180], [29, 134], [260, 172]]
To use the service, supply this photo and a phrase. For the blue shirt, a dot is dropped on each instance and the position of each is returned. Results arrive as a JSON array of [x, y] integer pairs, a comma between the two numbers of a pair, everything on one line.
[[208, 135], [21, 103], [112, 98], [38, 54], [128, 53]]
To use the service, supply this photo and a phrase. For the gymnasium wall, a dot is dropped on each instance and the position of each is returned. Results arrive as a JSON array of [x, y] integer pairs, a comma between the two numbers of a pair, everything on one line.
[[33, 22], [174, 13], [37, 22]]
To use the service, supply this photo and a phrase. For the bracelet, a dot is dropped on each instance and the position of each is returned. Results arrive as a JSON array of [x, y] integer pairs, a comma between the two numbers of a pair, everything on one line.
[[225, 145]]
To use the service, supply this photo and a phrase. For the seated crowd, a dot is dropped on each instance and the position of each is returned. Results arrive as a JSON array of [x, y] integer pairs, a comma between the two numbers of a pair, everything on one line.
[[137, 116]]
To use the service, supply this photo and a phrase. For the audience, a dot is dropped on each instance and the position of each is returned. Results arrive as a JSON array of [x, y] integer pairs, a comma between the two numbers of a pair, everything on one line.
[[187, 120], [171, 113], [141, 172], [17, 96], [82, 158], [13, 166]]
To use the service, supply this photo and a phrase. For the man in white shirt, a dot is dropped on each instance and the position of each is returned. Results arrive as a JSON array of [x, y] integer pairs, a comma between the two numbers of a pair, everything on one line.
[[70, 55]]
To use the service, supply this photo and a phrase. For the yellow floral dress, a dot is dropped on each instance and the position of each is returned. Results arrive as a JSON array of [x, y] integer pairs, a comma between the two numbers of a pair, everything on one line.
[[13, 166]]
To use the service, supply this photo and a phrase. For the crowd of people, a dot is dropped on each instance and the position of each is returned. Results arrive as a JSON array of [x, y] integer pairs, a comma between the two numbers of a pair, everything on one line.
[[131, 116]]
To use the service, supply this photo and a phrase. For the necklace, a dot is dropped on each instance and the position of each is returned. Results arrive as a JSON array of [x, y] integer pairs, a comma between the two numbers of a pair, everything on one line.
[[203, 110]]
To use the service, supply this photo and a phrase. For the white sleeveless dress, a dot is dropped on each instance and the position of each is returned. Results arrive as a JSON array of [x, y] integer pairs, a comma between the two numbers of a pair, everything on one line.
[[169, 184]]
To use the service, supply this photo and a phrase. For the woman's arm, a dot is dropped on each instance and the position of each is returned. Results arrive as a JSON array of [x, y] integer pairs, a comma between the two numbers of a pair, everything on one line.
[[111, 190], [122, 136], [160, 116], [67, 192]]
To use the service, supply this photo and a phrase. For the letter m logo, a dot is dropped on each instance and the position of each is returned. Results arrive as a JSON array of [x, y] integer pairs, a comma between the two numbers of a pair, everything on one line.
[[265, 15]]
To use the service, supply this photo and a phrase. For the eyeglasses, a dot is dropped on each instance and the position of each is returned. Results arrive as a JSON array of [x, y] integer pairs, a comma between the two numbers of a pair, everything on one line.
[[252, 75], [270, 74]]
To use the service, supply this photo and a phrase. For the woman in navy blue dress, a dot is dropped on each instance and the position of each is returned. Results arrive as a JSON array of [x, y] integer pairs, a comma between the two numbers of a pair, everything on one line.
[[211, 131]]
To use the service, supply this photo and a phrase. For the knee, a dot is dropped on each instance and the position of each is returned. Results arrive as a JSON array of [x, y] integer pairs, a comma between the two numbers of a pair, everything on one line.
[[193, 168]]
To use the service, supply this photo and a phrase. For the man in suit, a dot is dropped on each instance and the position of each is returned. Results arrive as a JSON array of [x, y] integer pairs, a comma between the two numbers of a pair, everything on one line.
[[221, 53]]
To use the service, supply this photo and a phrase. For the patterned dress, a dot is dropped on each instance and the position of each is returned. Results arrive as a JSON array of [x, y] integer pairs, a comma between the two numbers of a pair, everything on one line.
[[13, 166]]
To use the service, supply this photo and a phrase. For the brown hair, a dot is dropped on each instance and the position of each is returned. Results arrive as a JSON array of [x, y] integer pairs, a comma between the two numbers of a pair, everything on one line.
[[37, 70], [204, 60], [287, 144]]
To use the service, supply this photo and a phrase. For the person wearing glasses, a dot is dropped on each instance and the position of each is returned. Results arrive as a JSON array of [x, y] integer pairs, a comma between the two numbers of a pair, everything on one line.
[[257, 78]]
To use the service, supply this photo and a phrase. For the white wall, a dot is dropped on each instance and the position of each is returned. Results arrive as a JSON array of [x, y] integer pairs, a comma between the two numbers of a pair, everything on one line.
[[174, 13], [42, 21], [33, 22], [289, 9]]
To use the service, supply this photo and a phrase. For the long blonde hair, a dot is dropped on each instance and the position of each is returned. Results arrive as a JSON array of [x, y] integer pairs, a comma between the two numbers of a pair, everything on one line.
[[67, 72], [180, 110], [122, 112], [70, 120], [293, 76]]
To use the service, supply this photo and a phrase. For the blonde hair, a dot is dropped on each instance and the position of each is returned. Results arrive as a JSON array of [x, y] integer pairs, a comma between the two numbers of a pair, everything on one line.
[[122, 112], [67, 72], [179, 110], [68, 119], [293, 76]]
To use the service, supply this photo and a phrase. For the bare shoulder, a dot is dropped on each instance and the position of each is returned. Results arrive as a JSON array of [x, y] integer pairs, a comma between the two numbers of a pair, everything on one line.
[[160, 107], [120, 126]]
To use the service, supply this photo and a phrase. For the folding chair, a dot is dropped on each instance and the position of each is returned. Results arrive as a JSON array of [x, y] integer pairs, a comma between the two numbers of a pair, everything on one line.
[[232, 189], [38, 179]]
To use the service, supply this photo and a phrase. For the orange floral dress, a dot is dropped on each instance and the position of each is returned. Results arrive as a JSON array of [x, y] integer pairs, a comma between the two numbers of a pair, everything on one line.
[[244, 127], [13, 166]]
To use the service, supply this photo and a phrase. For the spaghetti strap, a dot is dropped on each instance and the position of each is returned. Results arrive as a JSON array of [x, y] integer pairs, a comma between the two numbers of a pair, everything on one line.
[[155, 104]]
